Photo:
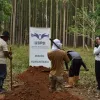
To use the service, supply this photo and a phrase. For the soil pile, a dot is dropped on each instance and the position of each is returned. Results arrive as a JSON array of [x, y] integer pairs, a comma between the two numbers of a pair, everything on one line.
[[36, 87]]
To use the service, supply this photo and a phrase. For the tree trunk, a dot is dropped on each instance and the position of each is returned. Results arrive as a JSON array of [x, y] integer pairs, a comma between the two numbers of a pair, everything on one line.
[[83, 24], [61, 22], [56, 18], [14, 20], [75, 24], [46, 14], [67, 20], [64, 22], [51, 18], [93, 32], [29, 13]]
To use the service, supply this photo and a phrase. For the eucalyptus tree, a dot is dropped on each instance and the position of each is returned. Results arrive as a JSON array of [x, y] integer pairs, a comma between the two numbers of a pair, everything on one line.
[[14, 21], [83, 23], [46, 13], [64, 19], [5, 12], [75, 34], [51, 17], [57, 18]]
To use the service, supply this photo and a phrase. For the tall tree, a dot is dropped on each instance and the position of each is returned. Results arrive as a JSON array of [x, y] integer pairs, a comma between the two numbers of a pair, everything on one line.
[[75, 24], [64, 15], [51, 17], [56, 18], [29, 13], [83, 23], [46, 13], [14, 21]]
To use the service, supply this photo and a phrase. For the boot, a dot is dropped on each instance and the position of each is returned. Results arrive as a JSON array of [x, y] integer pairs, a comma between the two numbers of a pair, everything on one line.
[[70, 82], [76, 78]]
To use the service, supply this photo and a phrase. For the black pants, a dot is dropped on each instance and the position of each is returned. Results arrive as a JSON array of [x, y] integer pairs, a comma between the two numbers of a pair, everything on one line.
[[97, 72], [3, 73], [82, 63], [75, 67]]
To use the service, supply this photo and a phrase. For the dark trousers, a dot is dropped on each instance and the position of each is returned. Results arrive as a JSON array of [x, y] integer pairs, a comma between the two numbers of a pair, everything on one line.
[[3, 73], [97, 72], [82, 63], [75, 67]]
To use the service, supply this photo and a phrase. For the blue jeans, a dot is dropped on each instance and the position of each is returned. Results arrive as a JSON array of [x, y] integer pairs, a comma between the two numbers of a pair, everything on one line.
[[3, 74]]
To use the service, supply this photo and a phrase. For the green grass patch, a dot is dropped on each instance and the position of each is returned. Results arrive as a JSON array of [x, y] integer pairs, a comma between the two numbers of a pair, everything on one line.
[[20, 63], [20, 60]]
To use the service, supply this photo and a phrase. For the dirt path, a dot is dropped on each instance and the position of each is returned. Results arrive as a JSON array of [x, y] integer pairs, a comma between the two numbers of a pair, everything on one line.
[[85, 93]]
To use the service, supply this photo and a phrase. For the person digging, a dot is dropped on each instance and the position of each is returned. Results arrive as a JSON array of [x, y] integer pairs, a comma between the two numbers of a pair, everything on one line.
[[57, 58], [74, 70]]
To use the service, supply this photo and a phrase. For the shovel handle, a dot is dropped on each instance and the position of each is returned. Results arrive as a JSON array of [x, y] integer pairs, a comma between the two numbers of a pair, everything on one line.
[[11, 70]]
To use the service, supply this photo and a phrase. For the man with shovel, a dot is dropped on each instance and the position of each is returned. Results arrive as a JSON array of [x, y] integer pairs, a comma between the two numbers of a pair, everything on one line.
[[4, 53], [57, 58]]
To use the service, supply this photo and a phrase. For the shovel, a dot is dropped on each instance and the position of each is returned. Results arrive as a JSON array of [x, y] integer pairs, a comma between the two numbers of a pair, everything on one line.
[[10, 71]]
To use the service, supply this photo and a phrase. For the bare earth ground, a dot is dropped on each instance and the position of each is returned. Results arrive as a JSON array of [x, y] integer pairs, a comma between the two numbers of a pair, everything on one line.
[[34, 85]]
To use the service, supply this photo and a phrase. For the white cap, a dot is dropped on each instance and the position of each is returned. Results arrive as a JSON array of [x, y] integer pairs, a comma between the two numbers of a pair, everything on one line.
[[58, 43]]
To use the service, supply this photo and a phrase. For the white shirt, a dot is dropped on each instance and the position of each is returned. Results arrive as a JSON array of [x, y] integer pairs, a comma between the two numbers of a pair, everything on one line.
[[97, 53], [3, 47]]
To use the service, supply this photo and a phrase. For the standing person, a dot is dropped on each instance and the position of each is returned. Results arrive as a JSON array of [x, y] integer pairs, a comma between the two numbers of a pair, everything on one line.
[[57, 58], [96, 42], [3, 55], [74, 70], [97, 61]]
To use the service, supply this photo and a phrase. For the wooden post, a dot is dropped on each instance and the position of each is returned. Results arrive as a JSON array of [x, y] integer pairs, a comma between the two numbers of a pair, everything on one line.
[[10, 71]]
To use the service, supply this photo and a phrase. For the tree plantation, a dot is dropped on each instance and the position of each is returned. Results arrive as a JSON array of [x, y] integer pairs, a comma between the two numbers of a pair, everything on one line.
[[46, 50], [74, 22]]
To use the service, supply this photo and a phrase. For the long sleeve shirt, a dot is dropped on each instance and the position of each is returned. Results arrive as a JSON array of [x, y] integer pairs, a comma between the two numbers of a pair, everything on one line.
[[57, 59], [97, 53]]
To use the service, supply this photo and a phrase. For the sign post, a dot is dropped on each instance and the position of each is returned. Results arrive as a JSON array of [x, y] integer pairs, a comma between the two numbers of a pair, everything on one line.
[[39, 45]]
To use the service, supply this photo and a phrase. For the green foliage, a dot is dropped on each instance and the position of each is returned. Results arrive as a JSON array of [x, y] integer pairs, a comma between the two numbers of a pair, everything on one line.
[[5, 10], [74, 29], [91, 21], [96, 16]]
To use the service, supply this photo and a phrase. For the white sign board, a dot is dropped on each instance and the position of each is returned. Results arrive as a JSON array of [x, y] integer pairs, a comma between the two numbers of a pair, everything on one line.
[[39, 45]]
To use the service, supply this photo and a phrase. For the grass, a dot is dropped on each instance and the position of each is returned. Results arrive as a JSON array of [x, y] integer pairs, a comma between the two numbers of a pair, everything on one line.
[[20, 59], [20, 63]]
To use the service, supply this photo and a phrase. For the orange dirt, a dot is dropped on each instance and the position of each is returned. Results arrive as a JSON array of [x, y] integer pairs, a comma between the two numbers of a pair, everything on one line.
[[36, 87]]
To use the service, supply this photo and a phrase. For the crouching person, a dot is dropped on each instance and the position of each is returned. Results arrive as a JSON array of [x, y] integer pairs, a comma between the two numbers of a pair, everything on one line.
[[74, 70], [57, 58]]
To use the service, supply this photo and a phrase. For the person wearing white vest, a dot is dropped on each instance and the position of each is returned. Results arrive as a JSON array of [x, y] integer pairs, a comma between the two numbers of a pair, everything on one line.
[[97, 62]]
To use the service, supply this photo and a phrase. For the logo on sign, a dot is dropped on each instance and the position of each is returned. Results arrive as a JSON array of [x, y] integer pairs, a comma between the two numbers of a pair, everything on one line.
[[39, 36]]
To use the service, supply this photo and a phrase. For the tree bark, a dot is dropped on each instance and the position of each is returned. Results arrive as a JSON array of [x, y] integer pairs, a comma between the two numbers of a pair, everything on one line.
[[14, 20]]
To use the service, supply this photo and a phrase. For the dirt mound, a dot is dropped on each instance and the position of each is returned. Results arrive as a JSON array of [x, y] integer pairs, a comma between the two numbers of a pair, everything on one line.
[[36, 87]]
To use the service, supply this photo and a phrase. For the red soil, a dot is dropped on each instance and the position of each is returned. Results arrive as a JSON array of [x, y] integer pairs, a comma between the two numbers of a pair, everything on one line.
[[36, 87]]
